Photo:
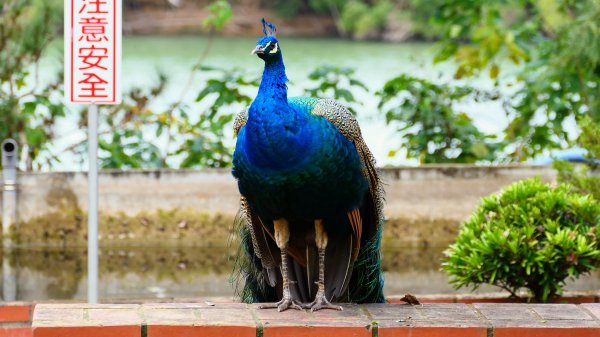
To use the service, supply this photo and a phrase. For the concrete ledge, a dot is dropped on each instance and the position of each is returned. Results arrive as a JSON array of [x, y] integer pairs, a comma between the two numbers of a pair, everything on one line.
[[236, 319], [424, 205]]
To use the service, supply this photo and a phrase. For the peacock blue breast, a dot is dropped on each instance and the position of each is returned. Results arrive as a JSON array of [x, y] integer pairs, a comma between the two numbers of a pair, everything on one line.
[[310, 172]]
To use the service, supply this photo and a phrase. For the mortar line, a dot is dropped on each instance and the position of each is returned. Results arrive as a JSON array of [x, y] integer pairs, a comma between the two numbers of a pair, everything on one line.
[[144, 323], [481, 316], [257, 322], [584, 309], [374, 324], [540, 318]]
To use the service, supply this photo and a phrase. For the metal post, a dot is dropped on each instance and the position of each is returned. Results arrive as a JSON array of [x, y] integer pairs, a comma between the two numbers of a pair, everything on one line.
[[10, 153], [93, 204]]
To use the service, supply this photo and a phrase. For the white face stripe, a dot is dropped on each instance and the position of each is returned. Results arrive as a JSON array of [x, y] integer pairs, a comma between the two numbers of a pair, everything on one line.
[[267, 45], [274, 49]]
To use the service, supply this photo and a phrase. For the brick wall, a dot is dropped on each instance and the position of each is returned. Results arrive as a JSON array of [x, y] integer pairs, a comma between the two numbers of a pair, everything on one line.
[[235, 319]]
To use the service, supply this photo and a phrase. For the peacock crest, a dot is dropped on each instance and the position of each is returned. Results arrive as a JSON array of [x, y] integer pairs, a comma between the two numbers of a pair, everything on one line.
[[268, 27]]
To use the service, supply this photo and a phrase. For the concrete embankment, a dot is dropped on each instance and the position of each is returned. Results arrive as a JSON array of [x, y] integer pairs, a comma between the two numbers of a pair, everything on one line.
[[424, 205]]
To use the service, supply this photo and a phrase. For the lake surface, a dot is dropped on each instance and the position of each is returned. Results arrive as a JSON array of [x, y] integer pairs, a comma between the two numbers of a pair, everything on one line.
[[375, 63], [128, 273]]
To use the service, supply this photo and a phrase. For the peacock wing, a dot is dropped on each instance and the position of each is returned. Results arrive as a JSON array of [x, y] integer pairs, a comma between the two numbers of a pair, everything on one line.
[[240, 120], [371, 213], [366, 283], [355, 260]]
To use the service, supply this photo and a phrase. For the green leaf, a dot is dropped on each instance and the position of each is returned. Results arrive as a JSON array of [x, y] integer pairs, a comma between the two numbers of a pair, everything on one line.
[[494, 71]]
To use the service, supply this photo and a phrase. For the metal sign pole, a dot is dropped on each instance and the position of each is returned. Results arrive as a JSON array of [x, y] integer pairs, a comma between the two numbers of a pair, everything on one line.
[[93, 204], [92, 44]]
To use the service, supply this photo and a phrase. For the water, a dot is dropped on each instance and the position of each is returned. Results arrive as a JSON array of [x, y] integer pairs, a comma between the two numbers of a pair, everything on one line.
[[129, 273], [375, 63]]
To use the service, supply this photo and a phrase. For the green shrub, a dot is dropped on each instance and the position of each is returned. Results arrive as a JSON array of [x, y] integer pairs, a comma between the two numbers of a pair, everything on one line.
[[529, 236]]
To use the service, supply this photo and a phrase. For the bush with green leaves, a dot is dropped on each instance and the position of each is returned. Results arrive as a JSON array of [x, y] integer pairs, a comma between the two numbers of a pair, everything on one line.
[[531, 236]]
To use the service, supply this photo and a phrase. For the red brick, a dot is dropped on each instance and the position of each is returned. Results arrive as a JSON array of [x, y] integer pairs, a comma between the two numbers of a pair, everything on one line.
[[200, 331], [424, 299], [287, 330], [472, 300], [546, 332], [437, 300], [83, 320], [429, 331], [234, 319], [15, 313], [199, 320], [575, 299], [88, 331], [24, 331]]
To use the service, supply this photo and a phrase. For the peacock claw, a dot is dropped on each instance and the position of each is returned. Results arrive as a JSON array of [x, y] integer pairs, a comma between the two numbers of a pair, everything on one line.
[[284, 304], [319, 303]]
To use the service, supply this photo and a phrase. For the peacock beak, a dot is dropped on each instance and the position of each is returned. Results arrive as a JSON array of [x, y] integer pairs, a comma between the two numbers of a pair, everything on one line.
[[258, 50]]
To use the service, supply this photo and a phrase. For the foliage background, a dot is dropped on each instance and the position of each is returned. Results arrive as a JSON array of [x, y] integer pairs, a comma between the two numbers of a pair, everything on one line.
[[555, 45]]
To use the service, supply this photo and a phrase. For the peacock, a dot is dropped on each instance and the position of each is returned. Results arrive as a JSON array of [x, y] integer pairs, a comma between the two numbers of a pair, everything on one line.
[[311, 198]]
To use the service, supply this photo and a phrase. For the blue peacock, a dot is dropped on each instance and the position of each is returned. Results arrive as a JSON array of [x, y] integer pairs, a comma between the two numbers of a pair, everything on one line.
[[311, 200]]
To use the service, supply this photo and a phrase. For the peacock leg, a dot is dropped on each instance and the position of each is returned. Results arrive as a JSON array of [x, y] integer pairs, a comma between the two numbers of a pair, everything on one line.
[[320, 301], [282, 237]]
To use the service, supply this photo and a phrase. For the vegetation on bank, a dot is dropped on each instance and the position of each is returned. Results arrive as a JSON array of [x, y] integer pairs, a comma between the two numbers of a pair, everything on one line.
[[29, 111], [554, 43]]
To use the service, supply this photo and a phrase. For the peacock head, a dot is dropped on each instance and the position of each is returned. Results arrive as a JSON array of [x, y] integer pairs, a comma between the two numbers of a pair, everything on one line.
[[267, 47]]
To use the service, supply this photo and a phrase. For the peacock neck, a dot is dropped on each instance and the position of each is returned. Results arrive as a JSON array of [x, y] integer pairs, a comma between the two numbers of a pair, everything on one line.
[[273, 87], [275, 132]]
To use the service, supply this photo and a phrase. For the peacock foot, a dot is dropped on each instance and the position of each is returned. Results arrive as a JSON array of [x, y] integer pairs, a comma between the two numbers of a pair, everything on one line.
[[284, 304], [321, 302]]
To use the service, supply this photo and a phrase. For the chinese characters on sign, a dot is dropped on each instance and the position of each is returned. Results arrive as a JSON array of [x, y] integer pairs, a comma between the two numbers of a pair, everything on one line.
[[93, 51]]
